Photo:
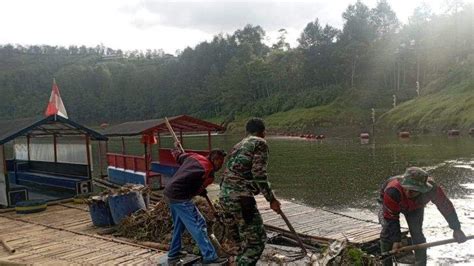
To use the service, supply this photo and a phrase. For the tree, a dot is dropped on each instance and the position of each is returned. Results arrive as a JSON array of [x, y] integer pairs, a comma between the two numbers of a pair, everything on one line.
[[311, 35], [356, 39], [282, 44], [384, 19], [252, 37]]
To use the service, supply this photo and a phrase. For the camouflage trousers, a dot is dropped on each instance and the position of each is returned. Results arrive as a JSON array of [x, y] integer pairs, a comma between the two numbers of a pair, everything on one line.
[[249, 230]]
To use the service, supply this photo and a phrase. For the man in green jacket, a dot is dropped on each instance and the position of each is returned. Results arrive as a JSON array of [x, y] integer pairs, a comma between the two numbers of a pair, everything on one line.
[[245, 176]]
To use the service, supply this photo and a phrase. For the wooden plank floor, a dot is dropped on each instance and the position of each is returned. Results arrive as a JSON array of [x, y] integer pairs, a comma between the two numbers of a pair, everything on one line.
[[64, 235], [319, 224]]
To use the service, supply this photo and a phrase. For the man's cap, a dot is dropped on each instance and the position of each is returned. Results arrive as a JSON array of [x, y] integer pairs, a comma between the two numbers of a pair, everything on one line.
[[416, 179]]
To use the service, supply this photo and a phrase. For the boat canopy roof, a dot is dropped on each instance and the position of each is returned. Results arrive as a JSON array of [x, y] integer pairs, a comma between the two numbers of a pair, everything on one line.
[[44, 126], [182, 123]]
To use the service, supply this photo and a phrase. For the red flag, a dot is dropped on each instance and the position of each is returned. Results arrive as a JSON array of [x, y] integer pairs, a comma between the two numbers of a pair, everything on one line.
[[55, 104]]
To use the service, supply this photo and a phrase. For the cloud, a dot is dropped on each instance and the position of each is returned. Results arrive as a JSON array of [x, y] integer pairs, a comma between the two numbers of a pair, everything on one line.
[[169, 25], [227, 16]]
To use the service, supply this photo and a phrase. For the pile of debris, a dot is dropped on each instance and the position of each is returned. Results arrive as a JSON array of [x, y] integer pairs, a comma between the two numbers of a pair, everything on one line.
[[155, 224], [125, 189]]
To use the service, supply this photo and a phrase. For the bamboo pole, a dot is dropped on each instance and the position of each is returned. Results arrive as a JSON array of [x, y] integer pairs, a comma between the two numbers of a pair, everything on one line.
[[153, 245], [7, 246], [10, 263], [168, 125], [423, 246], [292, 229]]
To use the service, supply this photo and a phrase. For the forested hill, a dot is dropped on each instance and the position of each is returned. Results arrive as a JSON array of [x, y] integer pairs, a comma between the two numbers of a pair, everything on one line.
[[333, 76]]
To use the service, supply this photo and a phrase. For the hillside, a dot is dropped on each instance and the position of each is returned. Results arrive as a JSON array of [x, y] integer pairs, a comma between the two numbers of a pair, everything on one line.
[[447, 104]]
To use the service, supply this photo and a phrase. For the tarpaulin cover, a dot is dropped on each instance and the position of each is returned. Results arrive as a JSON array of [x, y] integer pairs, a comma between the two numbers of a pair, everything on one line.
[[69, 149]]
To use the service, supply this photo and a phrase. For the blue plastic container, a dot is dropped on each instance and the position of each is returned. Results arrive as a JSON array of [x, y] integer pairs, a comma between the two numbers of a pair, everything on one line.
[[123, 205], [100, 214]]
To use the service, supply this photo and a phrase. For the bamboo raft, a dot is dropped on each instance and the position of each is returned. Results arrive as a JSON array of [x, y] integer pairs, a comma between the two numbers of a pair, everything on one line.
[[64, 234], [320, 225]]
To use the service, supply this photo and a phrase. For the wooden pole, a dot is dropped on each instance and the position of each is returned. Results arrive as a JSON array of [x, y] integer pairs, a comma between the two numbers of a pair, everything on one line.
[[28, 146], [89, 168], [154, 245], [5, 173], [159, 142], [423, 246], [7, 246], [55, 144], [146, 163], [4, 163], [123, 146], [175, 138], [100, 158], [158, 146], [209, 202], [209, 145], [292, 229], [213, 237]]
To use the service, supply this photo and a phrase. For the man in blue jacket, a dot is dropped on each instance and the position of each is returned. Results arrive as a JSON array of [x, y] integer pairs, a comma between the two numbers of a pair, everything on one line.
[[195, 173]]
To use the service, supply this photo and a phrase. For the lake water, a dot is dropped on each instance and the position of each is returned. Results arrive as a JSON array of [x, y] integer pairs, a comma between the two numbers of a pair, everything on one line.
[[343, 175]]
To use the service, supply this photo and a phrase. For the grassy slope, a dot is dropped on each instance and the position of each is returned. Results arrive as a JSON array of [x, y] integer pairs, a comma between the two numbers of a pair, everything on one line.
[[447, 102], [309, 120], [452, 107]]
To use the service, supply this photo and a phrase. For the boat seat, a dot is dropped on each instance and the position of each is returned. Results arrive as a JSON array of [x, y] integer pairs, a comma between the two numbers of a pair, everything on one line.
[[52, 180]]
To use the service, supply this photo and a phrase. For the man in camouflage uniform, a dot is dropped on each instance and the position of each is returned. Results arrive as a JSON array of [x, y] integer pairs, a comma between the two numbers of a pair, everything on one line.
[[245, 176]]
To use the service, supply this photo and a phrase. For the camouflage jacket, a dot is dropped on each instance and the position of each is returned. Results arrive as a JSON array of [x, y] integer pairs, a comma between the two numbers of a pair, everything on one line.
[[246, 170]]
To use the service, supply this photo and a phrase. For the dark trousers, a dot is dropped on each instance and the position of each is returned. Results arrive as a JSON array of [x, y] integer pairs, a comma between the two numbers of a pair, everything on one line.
[[415, 225]]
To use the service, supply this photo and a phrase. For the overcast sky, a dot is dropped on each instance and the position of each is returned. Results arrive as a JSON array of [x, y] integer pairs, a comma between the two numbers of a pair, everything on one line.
[[167, 25]]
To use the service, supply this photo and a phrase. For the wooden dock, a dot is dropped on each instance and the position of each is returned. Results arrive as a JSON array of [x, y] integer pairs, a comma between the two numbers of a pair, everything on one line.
[[314, 223], [64, 235], [319, 225]]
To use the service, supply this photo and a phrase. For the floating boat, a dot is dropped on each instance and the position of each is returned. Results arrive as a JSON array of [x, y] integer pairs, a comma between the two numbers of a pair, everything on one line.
[[145, 169], [454, 133], [404, 134]]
